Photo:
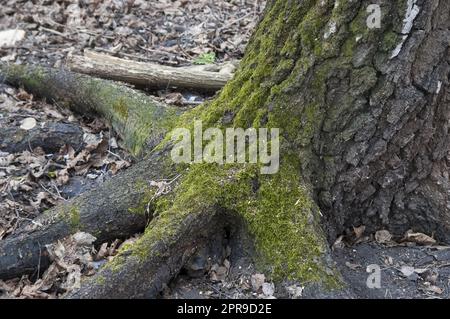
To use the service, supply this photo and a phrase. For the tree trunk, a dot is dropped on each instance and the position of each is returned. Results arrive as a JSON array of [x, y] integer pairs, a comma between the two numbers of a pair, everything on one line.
[[363, 115]]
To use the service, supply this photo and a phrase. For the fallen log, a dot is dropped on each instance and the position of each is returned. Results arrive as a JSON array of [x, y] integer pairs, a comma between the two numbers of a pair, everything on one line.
[[204, 78]]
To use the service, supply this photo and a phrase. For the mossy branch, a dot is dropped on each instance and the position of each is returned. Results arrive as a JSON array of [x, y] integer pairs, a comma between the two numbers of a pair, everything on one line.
[[139, 119]]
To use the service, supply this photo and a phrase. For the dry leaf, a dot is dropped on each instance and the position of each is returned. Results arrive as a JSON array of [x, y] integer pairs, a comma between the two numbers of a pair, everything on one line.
[[434, 289], [407, 271], [257, 280], [8, 38], [338, 244], [28, 123], [359, 231], [268, 289], [102, 252], [295, 291], [419, 238], [383, 236], [352, 266]]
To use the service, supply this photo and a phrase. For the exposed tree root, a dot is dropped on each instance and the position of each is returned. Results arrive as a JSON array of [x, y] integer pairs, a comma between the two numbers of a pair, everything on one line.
[[203, 204], [50, 137], [140, 271], [140, 120], [115, 210], [364, 142]]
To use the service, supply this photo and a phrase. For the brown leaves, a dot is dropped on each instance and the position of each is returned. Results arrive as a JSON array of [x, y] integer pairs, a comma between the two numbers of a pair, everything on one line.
[[33, 181], [170, 32], [419, 238], [70, 258], [383, 237]]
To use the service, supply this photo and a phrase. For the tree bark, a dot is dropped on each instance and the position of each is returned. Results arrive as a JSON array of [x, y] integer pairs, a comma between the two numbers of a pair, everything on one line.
[[147, 75], [50, 137], [155, 261]]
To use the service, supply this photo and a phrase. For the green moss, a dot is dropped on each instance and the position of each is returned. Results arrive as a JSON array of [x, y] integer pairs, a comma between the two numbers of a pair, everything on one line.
[[390, 41], [120, 107], [100, 280], [71, 215], [280, 215]]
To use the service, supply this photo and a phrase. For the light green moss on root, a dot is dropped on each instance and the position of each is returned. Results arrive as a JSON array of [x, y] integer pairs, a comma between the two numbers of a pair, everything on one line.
[[121, 108], [70, 214], [136, 117], [280, 215], [100, 280]]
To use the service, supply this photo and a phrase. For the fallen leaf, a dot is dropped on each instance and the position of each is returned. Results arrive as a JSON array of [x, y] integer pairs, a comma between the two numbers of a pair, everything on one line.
[[408, 271], [28, 123], [84, 239], [383, 236], [24, 96], [338, 244], [434, 289], [102, 252], [268, 289], [295, 291], [174, 98], [352, 266], [419, 238], [388, 260], [257, 280], [359, 231]]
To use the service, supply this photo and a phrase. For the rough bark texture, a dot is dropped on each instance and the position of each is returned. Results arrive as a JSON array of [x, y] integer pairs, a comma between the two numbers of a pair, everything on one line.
[[140, 120], [148, 74], [365, 111], [50, 137]]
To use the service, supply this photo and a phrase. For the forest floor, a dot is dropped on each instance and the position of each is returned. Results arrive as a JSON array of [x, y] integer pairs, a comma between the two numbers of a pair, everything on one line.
[[173, 33]]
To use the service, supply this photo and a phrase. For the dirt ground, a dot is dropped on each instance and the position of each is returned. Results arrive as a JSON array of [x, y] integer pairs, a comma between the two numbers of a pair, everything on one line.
[[177, 33]]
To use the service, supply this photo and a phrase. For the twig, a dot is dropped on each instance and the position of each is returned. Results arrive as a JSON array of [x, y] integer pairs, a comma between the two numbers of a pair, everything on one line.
[[235, 21], [51, 193], [55, 32]]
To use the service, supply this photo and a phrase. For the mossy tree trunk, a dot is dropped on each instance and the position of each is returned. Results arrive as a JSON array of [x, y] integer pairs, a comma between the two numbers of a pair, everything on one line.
[[363, 115]]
